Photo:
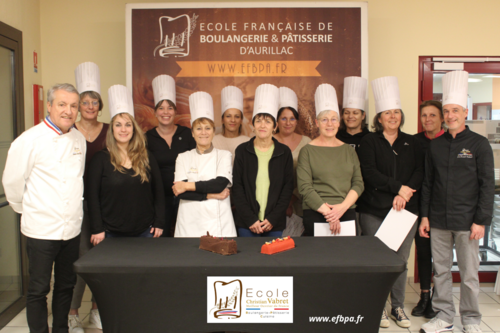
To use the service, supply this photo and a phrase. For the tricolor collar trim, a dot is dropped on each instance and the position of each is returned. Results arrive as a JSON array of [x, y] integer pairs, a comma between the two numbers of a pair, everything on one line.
[[52, 126]]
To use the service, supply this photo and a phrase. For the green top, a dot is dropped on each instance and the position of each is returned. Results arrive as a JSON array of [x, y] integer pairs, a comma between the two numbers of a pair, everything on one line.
[[262, 182], [327, 174]]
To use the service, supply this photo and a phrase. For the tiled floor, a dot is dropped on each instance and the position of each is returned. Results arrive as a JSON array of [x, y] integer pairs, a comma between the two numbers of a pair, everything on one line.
[[489, 303]]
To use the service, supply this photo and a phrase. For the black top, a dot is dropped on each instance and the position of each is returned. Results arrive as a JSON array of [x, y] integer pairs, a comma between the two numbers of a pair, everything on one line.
[[459, 185], [182, 141], [93, 147], [204, 187], [424, 141], [280, 189], [353, 140], [119, 202], [386, 168]]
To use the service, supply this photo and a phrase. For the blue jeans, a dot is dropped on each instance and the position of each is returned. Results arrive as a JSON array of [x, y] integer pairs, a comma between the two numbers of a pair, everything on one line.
[[244, 232], [146, 234]]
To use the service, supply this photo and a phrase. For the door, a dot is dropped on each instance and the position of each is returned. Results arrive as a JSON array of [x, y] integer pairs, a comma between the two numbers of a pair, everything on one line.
[[12, 270], [483, 118]]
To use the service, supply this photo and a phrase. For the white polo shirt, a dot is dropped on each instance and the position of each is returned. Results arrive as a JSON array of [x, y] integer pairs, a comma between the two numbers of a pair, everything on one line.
[[43, 181]]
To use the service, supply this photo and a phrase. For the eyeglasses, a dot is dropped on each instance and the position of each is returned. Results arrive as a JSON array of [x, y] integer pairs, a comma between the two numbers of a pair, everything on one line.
[[326, 120], [93, 103]]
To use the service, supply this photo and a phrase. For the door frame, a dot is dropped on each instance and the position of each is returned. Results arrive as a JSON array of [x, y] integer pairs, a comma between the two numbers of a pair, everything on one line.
[[12, 39], [484, 65]]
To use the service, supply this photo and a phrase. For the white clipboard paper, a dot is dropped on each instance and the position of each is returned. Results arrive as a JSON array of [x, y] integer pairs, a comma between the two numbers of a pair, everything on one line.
[[347, 228], [395, 228]]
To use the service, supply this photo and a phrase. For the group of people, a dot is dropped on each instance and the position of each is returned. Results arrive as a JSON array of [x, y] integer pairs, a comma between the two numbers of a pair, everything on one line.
[[181, 182]]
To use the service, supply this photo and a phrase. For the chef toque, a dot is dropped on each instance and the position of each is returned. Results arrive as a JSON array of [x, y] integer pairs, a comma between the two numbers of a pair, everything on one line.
[[326, 99], [455, 88], [288, 99], [120, 100], [267, 100], [201, 105], [355, 89], [231, 98], [164, 88], [88, 78], [386, 93]]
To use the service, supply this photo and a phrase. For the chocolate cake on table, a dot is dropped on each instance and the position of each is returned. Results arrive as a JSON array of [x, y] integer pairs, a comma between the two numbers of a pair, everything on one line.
[[218, 245]]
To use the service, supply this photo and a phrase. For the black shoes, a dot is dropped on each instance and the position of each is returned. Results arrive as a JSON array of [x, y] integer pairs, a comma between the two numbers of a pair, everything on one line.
[[424, 307]]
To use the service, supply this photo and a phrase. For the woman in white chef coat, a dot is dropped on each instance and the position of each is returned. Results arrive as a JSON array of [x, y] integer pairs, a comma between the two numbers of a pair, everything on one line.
[[232, 120], [202, 178]]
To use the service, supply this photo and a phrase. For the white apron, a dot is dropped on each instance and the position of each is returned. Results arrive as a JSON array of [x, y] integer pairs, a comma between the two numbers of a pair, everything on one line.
[[195, 218]]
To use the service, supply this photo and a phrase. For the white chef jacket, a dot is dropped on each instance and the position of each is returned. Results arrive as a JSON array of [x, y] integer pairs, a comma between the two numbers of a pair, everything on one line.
[[43, 181], [195, 218]]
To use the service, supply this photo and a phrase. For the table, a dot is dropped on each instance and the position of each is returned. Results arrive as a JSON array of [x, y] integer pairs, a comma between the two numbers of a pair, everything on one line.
[[160, 285]]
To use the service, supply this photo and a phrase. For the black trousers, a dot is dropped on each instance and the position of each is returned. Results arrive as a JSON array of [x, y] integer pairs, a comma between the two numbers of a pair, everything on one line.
[[171, 209], [43, 254], [312, 216], [424, 261]]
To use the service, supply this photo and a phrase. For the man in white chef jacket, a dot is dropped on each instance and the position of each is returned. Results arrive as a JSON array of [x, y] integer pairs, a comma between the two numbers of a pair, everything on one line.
[[43, 182]]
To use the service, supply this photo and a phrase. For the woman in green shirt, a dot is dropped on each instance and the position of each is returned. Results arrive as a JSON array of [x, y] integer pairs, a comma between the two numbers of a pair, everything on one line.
[[262, 173], [328, 172]]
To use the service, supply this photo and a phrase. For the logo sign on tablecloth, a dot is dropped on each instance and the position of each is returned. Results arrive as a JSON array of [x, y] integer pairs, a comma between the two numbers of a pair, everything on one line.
[[250, 299]]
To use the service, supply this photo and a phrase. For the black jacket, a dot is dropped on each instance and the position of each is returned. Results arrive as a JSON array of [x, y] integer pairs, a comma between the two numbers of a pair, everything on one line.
[[385, 169], [182, 141], [459, 185], [424, 141], [353, 140], [245, 169]]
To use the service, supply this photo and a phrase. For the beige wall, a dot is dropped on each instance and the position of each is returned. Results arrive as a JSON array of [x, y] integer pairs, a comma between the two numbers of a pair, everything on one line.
[[399, 31], [24, 15], [496, 94]]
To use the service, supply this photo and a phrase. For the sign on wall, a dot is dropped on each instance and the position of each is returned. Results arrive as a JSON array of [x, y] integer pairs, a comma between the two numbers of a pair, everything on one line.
[[250, 299], [206, 47]]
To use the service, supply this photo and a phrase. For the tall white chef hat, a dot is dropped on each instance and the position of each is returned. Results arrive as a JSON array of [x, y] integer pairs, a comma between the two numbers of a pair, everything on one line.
[[288, 99], [201, 105], [164, 88], [355, 89], [231, 98], [267, 100], [386, 93], [88, 78], [455, 88], [120, 100], [326, 98]]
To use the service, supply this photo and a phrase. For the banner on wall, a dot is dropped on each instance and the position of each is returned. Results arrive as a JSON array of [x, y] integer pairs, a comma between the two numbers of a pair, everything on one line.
[[208, 47], [250, 299]]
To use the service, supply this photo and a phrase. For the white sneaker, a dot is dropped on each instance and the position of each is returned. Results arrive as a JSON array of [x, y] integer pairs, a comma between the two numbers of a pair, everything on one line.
[[384, 322], [75, 325], [95, 318], [436, 325], [472, 329]]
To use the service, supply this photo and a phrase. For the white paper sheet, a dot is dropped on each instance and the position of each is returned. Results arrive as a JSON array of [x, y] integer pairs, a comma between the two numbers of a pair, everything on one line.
[[395, 228], [347, 228]]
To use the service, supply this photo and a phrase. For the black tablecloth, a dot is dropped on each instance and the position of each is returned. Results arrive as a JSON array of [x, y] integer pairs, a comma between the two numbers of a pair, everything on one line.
[[160, 285]]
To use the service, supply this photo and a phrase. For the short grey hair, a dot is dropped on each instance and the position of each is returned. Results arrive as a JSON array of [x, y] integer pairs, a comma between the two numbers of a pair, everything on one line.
[[324, 113], [377, 126], [61, 86]]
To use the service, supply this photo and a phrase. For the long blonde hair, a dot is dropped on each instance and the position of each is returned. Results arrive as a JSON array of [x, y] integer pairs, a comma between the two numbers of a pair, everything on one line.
[[136, 150]]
